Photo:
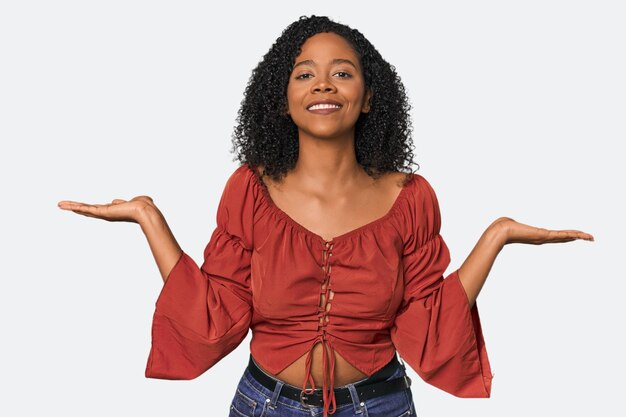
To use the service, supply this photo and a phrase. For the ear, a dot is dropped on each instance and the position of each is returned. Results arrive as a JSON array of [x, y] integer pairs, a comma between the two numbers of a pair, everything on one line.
[[367, 102]]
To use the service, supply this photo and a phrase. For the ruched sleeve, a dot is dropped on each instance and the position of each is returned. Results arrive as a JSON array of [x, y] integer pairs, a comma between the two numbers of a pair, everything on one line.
[[435, 330], [204, 313]]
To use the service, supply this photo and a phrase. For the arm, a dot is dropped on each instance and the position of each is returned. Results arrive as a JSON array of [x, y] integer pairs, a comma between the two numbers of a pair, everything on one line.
[[474, 271], [436, 331], [163, 244], [142, 210], [203, 311]]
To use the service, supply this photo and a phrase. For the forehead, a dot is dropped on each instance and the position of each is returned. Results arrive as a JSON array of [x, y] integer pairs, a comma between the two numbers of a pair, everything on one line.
[[326, 46]]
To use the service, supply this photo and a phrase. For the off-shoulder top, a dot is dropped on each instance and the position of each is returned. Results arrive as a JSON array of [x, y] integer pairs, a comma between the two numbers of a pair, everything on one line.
[[265, 272]]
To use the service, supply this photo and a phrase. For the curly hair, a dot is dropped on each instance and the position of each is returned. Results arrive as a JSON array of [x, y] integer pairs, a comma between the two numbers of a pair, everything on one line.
[[266, 135]]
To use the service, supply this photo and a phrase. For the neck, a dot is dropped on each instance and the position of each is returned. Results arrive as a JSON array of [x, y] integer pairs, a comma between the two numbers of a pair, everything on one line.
[[327, 162]]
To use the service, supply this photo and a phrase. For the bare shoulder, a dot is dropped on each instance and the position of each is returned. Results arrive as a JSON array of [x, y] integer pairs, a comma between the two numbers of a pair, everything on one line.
[[265, 180], [395, 179], [387, 187]]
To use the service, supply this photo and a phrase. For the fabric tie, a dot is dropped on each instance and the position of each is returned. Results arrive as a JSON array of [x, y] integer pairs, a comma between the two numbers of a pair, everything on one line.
[[328, 392]]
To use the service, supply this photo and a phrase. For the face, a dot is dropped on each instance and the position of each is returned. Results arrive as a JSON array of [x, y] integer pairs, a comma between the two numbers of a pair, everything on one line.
[[327, 69]]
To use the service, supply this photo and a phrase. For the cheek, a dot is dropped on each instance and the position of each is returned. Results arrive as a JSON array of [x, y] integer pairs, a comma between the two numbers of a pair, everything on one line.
[[356, 94], [292, 97]]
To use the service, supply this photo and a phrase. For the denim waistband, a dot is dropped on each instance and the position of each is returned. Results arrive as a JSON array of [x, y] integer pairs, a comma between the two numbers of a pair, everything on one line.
[[374, 377]]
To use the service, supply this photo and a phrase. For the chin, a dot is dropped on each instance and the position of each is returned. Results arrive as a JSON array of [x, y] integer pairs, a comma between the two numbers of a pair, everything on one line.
[[321, 131], [325, 134]]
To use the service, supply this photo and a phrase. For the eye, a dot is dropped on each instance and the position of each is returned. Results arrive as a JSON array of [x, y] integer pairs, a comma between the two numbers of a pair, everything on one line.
[[347, 75], [301, 76]]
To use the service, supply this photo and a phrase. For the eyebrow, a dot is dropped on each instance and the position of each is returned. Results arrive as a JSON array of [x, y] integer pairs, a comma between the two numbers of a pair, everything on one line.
[[333, 62]]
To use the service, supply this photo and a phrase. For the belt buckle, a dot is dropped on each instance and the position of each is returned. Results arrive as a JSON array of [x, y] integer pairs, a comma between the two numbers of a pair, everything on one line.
[[302, 393]]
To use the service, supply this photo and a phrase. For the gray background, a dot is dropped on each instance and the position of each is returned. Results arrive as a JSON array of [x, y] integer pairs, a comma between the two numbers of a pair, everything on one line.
[[518, 111]]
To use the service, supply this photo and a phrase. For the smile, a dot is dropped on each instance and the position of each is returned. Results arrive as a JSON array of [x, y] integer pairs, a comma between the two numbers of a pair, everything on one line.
[[324, 108]]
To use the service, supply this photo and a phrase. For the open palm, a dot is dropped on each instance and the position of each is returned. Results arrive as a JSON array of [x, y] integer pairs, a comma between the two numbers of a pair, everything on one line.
[[117, 211], [516, 232]]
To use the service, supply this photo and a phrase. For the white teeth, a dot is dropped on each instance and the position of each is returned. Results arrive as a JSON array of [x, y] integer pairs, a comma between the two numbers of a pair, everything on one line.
[[324, 106]]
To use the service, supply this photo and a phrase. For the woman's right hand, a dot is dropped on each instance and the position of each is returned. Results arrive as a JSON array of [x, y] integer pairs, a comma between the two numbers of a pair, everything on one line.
[[117, 211], [143, 211]]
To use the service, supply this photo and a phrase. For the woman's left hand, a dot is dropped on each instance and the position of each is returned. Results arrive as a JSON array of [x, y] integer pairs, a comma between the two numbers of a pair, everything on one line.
[[515, 232]]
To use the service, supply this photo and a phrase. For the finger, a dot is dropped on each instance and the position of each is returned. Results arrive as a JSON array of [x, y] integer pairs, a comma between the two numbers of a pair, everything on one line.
[[578, 234], [571, 231], [85, 209], [553, 236], [586, 236], [562, 239], [568, 235], [143, 198], [66, 204], [84, 214], [70, 205]]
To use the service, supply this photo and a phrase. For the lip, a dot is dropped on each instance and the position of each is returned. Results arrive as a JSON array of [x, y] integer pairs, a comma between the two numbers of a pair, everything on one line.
[[324, 111], [323, 102]]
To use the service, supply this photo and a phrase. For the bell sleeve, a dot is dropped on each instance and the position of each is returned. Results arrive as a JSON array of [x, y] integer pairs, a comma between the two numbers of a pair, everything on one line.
[[204, 313], [435, 330]]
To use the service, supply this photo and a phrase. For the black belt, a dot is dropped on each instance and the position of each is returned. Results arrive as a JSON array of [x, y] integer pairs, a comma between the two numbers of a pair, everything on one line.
[[374, 386]]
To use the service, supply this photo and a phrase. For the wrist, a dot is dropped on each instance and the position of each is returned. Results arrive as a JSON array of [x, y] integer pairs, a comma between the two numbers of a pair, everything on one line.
[[149, 216], [498, 231]]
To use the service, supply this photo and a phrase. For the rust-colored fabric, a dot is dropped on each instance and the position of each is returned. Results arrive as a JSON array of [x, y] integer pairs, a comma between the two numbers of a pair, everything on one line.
[[264, 271]]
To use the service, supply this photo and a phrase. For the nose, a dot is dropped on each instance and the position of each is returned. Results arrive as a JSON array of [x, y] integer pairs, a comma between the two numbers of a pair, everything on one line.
[[323, 84]]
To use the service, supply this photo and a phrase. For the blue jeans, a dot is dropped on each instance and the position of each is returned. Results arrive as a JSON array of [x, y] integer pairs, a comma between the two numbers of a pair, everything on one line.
[[252, 399]]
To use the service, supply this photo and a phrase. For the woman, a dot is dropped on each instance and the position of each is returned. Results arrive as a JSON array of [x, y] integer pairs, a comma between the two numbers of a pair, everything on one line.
[[324, 247]]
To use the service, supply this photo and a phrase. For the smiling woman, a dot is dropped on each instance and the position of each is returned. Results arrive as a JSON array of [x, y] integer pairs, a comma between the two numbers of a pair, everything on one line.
[[336, 248]]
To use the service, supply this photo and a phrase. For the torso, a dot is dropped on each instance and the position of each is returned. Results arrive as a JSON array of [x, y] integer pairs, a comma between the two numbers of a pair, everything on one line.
[[332, 216]]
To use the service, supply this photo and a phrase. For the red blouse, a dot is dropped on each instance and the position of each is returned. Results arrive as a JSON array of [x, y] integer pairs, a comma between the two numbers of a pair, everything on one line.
[[264, 271]]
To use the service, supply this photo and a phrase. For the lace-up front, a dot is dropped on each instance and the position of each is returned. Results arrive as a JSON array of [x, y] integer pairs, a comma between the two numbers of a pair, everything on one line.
[[322, 314], [364, 294]]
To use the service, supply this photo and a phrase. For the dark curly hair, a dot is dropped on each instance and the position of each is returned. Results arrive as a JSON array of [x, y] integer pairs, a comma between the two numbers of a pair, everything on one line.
[[266, 135]]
